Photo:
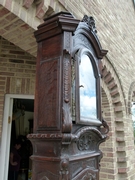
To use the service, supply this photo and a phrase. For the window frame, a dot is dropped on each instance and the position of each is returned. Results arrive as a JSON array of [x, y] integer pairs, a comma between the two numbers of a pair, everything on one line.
[[94, 62]]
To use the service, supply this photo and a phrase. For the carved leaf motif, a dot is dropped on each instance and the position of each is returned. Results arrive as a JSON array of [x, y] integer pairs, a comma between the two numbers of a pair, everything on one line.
[[73, 90], [66, 76]]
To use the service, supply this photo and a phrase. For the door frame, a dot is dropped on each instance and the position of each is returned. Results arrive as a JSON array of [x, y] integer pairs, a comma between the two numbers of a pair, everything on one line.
[[6, 132]]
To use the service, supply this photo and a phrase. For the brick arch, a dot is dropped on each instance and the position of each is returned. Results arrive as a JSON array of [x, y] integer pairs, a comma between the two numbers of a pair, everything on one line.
[[44, 8], [111, 81], [108, 147], [19, 20]]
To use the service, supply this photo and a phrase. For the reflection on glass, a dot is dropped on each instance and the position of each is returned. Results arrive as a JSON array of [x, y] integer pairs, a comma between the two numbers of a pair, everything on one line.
[[87, 84], [133, 117]]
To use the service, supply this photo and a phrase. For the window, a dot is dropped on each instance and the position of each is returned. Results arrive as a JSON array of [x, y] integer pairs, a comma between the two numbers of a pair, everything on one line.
[[87, 83]]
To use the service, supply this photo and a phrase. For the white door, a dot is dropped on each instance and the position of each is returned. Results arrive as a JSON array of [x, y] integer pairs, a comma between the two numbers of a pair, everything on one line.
[[6, 132]]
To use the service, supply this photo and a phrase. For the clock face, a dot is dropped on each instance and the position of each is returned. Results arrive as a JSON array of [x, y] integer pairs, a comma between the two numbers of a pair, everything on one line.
[[87, 89]]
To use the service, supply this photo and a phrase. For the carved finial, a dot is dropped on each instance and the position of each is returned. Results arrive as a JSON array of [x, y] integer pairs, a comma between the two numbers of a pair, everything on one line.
[[91, 22]]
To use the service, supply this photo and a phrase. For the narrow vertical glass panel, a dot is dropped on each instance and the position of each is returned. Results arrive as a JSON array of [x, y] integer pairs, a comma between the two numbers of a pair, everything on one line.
[[133, 117], [87, 85]]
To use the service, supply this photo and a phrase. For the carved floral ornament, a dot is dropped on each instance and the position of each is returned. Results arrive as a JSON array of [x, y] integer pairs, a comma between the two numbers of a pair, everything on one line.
[[86, 142]]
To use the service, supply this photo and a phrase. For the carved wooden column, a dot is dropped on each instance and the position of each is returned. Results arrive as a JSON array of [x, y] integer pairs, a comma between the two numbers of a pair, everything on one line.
[[66, 146]]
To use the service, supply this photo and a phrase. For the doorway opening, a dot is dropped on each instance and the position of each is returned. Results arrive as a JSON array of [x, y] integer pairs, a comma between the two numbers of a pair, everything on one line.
[[10, 115], [22, 125]]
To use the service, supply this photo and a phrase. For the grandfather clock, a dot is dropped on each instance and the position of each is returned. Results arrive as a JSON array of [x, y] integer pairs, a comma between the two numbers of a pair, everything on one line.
[[68, 124]]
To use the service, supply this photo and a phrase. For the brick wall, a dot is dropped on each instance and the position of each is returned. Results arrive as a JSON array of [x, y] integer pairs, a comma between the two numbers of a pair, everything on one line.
[[17, 72]]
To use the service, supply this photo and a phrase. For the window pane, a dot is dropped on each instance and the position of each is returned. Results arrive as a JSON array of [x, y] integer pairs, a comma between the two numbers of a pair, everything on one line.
[[87, 84]]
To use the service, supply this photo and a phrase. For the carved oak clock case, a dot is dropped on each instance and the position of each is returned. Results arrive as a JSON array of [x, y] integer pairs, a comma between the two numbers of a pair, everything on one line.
[[68, 125]]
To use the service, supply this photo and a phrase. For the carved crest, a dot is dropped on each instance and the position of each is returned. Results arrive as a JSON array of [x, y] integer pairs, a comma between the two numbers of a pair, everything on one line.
[[91, 22]]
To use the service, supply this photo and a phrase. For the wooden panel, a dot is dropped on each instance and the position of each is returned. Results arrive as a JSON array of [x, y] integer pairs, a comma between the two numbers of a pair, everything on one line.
[[48, 96], [51, 47]]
